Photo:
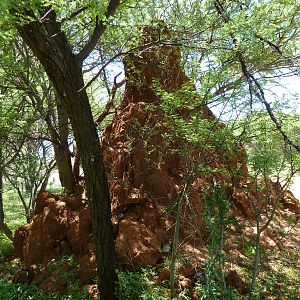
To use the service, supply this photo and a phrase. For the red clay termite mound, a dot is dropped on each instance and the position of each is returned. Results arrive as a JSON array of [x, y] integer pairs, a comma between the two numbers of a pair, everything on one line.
[[146, 173], [146, 170], [59, 226]]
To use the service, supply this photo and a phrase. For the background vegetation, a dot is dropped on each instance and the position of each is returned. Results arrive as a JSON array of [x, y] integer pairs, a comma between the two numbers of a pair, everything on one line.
[[60, 82]]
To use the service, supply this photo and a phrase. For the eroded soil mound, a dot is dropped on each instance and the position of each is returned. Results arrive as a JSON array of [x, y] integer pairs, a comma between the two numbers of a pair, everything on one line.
[[147, 174], [147, 168]]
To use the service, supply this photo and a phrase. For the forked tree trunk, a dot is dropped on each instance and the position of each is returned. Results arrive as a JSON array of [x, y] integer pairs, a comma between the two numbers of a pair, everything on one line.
[[50, 45]]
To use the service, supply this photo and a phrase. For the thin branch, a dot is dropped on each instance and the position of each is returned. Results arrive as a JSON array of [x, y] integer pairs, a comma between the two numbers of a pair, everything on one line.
[[43, 186], [98, 31], [16, 153], [271, 44], [101, 70], [74, 14], [140, 47], [110, 103], [254, 86], [105, 79], [41, 138], [276, 122], [17, 188], [44, 17], [228, 86]]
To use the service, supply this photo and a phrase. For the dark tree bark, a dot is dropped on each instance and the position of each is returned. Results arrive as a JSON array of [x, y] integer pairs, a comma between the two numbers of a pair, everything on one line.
[[59, 133], [66, 174], [50, 45], [61, 148], [62, 155]]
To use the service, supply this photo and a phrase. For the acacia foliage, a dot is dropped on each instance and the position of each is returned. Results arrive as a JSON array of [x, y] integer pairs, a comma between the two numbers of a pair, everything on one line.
[[265, 33], [231, 49]]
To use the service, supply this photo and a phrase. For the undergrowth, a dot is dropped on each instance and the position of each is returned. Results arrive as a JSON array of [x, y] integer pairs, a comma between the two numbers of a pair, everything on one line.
[[279, 277], [14, 217], [11, 291], [134, 286]]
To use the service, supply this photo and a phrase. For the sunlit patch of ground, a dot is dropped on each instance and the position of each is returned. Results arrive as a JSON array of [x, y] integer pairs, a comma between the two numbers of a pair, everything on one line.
[[279, 268]]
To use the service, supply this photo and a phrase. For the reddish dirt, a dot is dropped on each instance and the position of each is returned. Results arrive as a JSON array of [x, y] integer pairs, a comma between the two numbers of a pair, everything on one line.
[[146, 176], [234, 281], [145, 170]]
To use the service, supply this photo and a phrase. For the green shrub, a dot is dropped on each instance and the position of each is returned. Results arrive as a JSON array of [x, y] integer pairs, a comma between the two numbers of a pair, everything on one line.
[[10, 291], [133, 286]]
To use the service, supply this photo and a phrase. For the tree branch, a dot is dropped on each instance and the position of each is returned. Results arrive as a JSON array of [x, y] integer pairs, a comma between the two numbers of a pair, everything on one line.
[[110, 102], [101, 70], [6, 230], [272, 116], [271, 44], [16, 153], [74, 14], [98, 31], [140, 47], [254, 86]]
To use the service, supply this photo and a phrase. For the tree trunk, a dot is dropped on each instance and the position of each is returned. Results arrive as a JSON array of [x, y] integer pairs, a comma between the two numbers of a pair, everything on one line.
[[61, 148], [59, 134], [50, 45], [76, 165]]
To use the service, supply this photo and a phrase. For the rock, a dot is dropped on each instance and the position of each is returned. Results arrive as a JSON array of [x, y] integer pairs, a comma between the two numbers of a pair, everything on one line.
[[55, 220], [79, 244], [187, 271], [184, 283], [47, 241], [242, 203], [45, 237], [85, 220], [74, 202], [92, 290]]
